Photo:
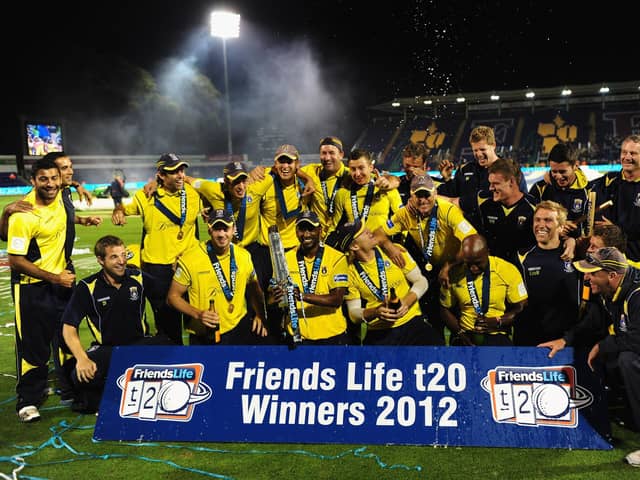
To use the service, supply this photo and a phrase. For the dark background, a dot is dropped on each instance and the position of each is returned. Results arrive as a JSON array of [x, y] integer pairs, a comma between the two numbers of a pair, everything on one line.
[[133, 77]]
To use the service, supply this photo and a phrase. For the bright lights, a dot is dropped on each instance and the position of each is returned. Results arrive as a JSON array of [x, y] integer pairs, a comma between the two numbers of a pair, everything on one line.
[[460, 99], [604, 89], [225, 25], [530, 94], [428, 102], [395, 104], [495, 97], [566, 92]]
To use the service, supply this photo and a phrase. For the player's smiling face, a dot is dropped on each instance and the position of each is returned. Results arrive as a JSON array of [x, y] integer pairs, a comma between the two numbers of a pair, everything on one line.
[[630, 156], [285, 168], [360, 170], [173, 181], [46, 184], [114, 262], [220, 235], [331, 158], [546, 226], [308, 235], [66, 170], [563, 173], [239, 187], [484, 153]]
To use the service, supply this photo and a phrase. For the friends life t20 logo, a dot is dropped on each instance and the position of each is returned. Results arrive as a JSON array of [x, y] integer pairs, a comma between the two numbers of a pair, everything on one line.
[[162, 392], [533, 396]]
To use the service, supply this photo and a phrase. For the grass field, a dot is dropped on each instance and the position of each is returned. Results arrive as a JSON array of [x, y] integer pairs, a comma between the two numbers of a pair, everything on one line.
[[60, 446]]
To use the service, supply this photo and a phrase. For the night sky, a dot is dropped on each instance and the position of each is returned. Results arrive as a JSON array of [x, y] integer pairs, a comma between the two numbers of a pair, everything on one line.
[[355, 54]]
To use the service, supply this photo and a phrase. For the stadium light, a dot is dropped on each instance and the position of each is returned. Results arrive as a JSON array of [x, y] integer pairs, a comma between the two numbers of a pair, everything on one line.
[[226, 25], [604, 89], [495, 97], [530, 94], [428, 102], [566, 92], [395, 104], [460, 99]]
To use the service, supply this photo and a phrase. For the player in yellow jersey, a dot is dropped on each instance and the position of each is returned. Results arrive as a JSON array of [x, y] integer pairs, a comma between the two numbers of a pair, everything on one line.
[[363, 200], [372, 277], [243, 199], [320, 274], [284, 199], [487, 291], [436, 227], [328, 176], [219, 278], [169, 219], [40, 281]]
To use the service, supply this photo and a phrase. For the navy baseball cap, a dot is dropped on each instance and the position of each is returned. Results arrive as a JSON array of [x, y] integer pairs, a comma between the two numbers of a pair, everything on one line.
[[170, 162], [220, 216], [308, 217], [233, 170], [343, 236]]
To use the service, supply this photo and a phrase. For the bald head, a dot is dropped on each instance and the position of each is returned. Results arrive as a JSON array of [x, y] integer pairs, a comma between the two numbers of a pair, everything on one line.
[[475, 253], [474, 244]]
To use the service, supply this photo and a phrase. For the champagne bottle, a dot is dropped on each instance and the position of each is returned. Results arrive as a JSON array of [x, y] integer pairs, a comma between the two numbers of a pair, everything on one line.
[[214, 331], [394, 301]]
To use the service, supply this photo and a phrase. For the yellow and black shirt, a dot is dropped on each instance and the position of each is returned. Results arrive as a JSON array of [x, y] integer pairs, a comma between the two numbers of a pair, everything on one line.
[[320, 322], [39, 236], [164, 240], [195, 271]]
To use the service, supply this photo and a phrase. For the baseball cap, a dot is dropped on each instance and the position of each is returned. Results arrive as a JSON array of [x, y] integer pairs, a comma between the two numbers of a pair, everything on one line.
[[170, 162], [422, 182], [609, 259], [233, 170], [308, 217], [288, 151], [342, 238], [335, 141], [220, 216]]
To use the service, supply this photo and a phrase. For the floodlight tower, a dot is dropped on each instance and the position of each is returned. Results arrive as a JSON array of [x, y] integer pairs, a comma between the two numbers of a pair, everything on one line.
[[226, 25]]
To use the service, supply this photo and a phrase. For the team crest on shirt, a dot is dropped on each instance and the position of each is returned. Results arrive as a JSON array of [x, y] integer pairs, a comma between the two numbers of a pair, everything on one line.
[[636, 202], [133, 293], [387, 264], [522, 220], [577, 205], [389, 223], [249, 199], [323, 270], [568, 267]]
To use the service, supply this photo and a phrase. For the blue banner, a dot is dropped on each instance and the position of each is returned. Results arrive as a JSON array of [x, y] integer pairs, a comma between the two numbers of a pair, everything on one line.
[[462, 396]]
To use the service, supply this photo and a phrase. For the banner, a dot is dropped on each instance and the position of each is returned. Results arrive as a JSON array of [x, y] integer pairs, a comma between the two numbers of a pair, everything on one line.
[[458, 396]]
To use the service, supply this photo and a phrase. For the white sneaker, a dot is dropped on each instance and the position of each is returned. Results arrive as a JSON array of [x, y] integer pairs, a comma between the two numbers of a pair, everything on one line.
[[29, 414], [633, 458]]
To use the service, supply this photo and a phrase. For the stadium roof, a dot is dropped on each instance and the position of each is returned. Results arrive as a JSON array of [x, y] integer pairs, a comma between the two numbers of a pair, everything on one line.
[[505, 99]]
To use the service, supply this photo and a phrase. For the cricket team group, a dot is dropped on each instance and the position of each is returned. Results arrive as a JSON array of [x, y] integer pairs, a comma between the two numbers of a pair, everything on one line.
[[333, 253]]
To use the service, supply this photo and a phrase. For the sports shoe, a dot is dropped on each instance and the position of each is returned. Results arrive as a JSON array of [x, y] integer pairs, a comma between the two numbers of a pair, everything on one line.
[[633, 458], [29, 414]]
